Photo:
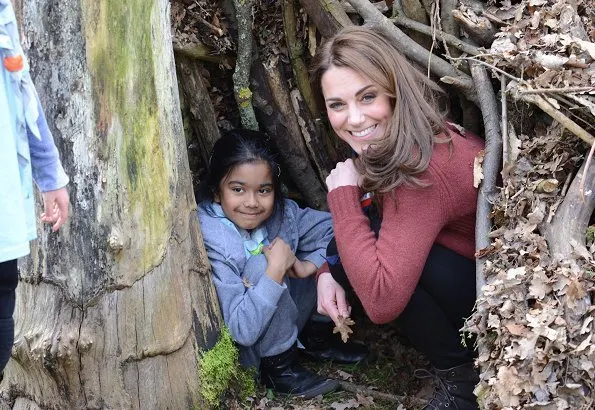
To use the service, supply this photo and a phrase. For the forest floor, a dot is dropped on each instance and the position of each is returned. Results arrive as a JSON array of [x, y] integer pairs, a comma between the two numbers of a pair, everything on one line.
[[384, 382]]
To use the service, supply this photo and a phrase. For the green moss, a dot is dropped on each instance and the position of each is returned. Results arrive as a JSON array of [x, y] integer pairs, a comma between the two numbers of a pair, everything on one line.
[[245, 96], [121, 60], [220, 374]]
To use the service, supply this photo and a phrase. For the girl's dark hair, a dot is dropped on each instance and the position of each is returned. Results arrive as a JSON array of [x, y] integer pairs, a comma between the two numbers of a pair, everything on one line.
[[234, 148]]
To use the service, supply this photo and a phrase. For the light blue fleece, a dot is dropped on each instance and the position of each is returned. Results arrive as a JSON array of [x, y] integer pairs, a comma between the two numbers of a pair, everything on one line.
[[27, 150], [263, 316]]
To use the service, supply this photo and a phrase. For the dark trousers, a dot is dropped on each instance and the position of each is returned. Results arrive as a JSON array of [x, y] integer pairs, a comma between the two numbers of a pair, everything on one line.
[[443, 298], [8, 283]]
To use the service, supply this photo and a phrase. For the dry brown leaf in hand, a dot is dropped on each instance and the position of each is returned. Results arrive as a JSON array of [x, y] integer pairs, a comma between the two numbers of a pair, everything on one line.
[[343, 327]]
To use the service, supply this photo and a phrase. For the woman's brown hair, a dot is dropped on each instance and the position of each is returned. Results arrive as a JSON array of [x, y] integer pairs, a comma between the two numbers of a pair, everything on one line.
[[405, 151]]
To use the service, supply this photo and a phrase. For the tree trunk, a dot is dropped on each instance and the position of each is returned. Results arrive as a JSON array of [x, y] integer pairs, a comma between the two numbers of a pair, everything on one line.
[[111, 310]]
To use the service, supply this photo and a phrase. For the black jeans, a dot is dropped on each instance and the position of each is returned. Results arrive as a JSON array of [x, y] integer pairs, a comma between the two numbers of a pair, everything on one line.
[[9, 278], [443, 298]]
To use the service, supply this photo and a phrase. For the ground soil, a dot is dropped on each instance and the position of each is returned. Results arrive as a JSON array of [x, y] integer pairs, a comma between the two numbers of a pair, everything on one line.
[[390, 371]]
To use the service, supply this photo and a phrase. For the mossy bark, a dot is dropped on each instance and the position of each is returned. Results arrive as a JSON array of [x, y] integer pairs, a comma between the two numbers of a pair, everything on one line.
[[111, 309]]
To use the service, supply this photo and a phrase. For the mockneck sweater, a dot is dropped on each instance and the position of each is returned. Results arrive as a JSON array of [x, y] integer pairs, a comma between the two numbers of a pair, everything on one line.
[[384, 271]]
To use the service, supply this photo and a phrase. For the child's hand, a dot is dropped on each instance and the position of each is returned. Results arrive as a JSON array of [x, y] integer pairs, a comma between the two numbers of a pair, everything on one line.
[[302, 269], [55, 208], [280, 259]]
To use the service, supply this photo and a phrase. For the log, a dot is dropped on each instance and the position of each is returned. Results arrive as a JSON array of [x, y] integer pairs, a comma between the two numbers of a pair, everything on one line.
[[275, 111], [328, 15], [479, 28], [111, 309], [296, 54], [202, 114], [413, 10], [566, 234]]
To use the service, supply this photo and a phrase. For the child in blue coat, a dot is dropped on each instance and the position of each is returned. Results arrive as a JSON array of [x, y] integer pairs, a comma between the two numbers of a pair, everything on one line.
[[264, 252], [27, 154]]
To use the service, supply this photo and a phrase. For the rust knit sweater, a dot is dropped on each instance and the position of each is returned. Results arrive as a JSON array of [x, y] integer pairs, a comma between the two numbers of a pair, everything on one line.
[[385, 271]]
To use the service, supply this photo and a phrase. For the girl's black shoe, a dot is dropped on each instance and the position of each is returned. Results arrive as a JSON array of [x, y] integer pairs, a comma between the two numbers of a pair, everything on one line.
[[284, 375]]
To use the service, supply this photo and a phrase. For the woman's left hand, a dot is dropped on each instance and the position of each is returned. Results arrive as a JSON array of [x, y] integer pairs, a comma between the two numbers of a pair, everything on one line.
[[344, 174]]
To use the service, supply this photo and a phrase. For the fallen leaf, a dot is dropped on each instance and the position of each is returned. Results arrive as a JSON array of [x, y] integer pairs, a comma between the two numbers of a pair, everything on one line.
[[350, 404], [477, 169], [343, 327]]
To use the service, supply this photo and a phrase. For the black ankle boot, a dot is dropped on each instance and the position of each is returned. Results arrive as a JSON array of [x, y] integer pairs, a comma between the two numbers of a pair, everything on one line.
[[282, 374], [320, 344], [453, 388]]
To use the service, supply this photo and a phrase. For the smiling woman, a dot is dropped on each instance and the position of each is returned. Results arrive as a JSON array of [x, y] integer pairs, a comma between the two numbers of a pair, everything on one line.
[[358, 109], [409, 255]]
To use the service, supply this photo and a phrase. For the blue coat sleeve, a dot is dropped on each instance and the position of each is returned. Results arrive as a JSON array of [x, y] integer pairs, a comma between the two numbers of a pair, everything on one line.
[[47, 170], [314, 230]]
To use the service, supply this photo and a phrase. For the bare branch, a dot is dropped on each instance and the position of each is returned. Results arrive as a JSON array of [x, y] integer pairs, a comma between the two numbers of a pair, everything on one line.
[[546, 107], [328, 15], [566, 234], [241, 75], [353, 388], [491, 164], [451, 40], [296, 52]]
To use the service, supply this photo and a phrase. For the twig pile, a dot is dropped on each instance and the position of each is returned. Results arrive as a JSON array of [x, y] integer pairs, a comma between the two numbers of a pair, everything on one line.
[[534, 316]]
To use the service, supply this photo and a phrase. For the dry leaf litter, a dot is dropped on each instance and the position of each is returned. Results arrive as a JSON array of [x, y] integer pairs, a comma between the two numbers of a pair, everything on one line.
[[535, 317]]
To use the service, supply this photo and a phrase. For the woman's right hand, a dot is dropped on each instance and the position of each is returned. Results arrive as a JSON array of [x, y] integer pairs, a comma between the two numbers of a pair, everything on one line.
[[332, 300], [280, 259], [345, 173]]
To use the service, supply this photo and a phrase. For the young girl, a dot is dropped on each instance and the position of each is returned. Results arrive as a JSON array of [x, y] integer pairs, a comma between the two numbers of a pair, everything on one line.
[[263, 251], [413, 262]]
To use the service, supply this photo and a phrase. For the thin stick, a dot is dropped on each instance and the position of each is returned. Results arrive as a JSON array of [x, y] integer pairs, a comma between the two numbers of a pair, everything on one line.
[[587, 165], [440, 35], [433, 22], [565, 90], [354, 388], [545, 106], [504, 126], [211, 26], [492, 67]]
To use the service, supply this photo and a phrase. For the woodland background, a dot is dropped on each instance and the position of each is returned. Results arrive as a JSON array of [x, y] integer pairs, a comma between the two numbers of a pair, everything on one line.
[[112, 311], [521, 74]]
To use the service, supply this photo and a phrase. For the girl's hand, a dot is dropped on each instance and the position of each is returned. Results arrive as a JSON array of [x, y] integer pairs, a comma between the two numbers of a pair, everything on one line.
[[344, 174], [280, 259], [302, 269], [332, 300], [55, 208]]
